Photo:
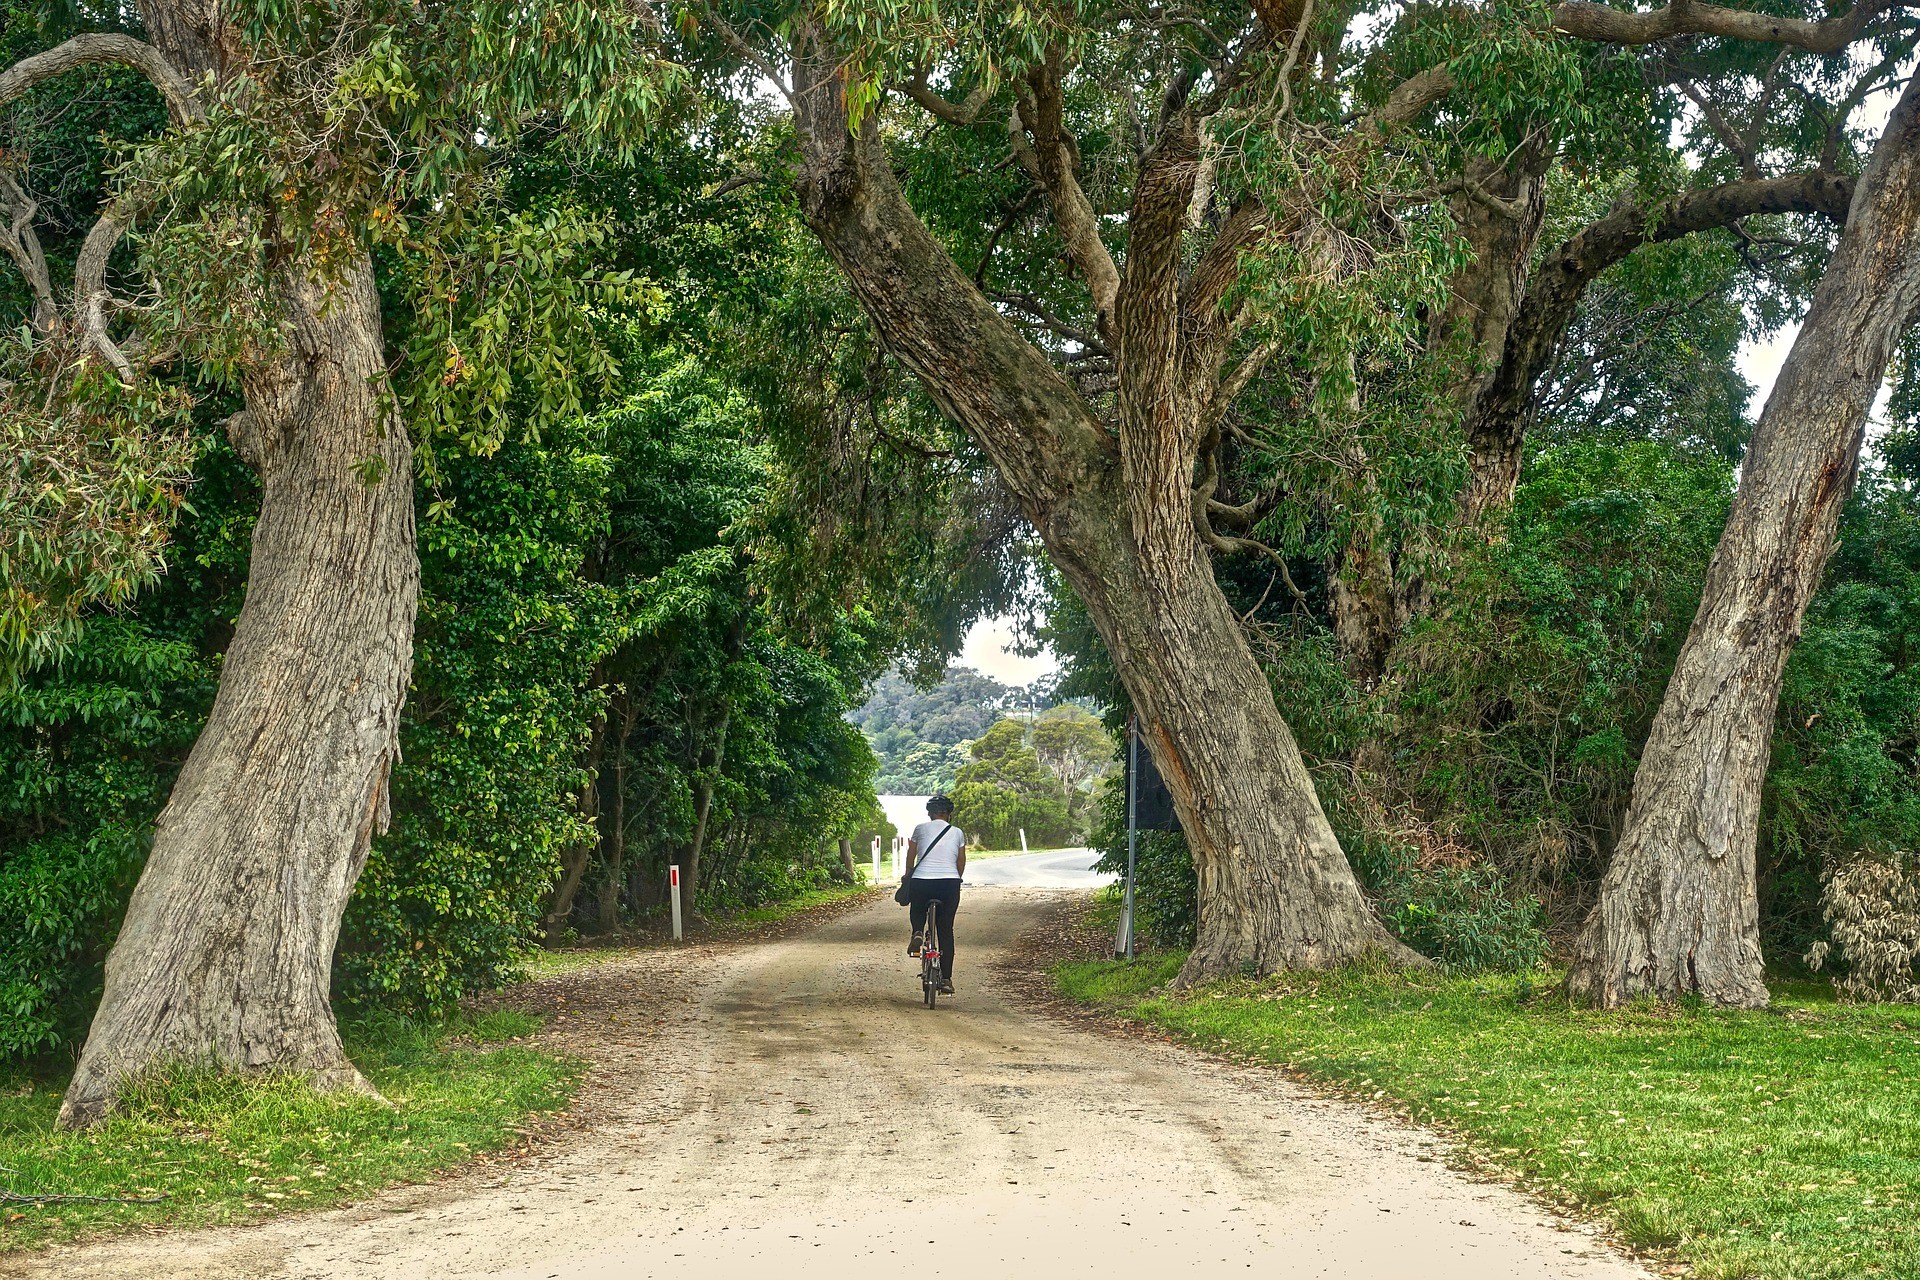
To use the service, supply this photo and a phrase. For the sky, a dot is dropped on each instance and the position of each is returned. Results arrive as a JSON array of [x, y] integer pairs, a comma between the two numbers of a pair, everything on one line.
[[988, 650]]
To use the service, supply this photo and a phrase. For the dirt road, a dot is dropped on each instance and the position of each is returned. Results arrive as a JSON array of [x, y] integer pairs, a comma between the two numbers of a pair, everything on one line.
[[803, 1115]]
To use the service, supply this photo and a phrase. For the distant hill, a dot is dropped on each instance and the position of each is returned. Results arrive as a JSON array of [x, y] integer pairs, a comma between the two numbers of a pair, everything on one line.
[[922, 737]]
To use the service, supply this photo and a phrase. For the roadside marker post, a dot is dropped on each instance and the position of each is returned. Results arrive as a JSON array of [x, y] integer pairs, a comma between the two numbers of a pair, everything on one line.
[[876, 859], [1023, 839], [673, 882]]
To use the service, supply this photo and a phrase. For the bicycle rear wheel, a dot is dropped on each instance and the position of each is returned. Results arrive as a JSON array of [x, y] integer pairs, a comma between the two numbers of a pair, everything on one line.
[[929, 982]]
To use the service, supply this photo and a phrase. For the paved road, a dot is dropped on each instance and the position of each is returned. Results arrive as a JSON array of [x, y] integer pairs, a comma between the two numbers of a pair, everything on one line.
[[1054, 869], [802, 1115]]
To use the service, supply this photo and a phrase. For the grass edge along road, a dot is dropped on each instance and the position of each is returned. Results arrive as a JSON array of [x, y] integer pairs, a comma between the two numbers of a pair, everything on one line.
[[1776, 1145], [210, 1149], [218, 1149]]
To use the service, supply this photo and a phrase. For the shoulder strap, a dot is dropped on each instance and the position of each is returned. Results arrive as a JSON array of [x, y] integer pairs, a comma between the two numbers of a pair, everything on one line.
[[929, 849]]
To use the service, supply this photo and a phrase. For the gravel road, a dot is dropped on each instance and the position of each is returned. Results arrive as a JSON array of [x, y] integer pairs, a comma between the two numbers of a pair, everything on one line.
[[797, 1112]]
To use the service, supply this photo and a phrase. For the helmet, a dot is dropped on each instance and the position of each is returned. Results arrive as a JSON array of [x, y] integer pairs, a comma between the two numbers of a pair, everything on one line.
[[939, 806]]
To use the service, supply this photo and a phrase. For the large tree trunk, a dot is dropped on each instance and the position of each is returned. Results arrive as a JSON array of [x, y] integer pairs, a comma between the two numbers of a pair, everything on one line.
[[1275, 889], [1678, 910], [1117, 518], [227, 950]]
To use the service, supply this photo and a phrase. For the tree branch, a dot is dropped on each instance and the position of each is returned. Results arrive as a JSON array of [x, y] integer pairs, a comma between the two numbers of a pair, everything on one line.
[[1041, 312], [23, 246], [1590, 21], [1052, 161], [105, 46], [1497, 421], [90, 296], [962, 113]]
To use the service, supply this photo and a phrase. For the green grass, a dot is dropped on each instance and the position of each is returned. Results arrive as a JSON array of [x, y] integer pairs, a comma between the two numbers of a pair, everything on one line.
[[221, 1148], [1781, 1144], [774, 913], [571, 959]]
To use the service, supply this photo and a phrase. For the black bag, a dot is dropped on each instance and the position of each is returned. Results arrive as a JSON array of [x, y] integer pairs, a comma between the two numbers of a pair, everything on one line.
[[900, 894]]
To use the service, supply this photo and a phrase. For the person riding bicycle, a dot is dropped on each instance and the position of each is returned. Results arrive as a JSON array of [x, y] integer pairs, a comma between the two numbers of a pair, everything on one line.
[[936, 859]]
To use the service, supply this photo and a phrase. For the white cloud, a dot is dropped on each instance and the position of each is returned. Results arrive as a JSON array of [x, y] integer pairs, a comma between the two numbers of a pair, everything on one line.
[[988, 650]]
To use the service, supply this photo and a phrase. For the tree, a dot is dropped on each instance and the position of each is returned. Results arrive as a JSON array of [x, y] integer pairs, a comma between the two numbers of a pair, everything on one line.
[[1005, 790], [1678, 911], [1073, 744], [1098, 424], [297, 140]]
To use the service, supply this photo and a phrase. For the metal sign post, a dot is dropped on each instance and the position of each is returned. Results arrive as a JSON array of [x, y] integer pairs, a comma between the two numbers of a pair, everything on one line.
[[1123, 945], [673, 882]]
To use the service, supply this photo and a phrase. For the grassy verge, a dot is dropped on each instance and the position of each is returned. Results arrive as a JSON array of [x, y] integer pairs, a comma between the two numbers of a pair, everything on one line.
[[591, 951], [212, 1149], [775, 912], [1782, 1144]]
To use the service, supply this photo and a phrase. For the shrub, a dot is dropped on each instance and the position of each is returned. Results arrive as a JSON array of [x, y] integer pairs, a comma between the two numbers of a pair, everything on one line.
[[1436, 896], [1166, 893], [1872, 903], [1467, 918]]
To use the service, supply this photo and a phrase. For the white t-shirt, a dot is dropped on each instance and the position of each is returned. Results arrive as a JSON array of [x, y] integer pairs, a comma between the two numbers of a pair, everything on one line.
[[937, 861]]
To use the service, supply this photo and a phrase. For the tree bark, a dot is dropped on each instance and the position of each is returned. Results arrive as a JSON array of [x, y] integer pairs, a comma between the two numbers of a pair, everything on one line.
[[1117, 518], [227, 950], [1678, 909], [846, 859]]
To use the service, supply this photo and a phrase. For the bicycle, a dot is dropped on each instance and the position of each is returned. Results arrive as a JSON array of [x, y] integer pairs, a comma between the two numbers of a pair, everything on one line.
[[930, 955]]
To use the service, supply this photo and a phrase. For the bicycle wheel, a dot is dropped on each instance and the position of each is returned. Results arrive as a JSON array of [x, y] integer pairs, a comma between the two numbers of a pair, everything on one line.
[[929, 982]]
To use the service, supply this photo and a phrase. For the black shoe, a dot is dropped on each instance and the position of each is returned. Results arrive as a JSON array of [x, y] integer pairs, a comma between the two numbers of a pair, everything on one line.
[[946, 986], [913, 946]]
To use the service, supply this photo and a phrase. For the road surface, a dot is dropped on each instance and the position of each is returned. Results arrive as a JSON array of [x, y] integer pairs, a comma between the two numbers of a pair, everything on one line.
[[1054, 869], [803, 1115]]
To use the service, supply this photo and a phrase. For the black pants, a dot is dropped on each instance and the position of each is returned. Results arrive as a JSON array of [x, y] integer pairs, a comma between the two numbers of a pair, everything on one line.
[[922, 894]]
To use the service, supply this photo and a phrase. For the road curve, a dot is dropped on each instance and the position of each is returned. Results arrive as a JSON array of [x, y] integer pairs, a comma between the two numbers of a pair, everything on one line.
[[1052, 869], [805, 1116]]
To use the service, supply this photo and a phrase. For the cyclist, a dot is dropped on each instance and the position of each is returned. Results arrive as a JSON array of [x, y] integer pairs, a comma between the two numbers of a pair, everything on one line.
[[936, 859]]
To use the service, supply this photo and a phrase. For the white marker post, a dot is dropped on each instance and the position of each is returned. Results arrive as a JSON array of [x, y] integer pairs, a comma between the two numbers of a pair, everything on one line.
[[673, 882], [876, 859], [1023, 839]]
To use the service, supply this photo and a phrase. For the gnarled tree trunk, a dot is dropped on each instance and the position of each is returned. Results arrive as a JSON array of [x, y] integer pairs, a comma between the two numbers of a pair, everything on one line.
[[1276, 891], [1116, 514], [1678, 910], [227, 951]]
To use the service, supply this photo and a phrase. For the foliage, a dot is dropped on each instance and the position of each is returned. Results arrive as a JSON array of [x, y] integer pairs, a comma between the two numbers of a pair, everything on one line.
[[1073, 745], [1166, 891], [921, 735], [1005, 790], [1872, 903], [330, 128], [228, 1149], [1746, 1144], [492, 741], [84, 505], [1468, 918]]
